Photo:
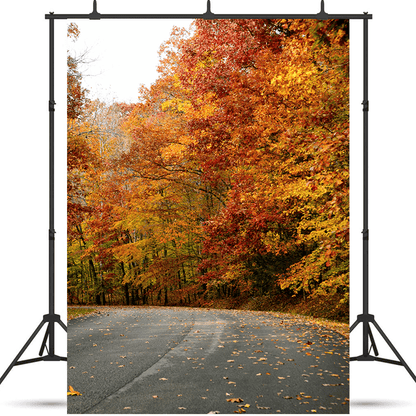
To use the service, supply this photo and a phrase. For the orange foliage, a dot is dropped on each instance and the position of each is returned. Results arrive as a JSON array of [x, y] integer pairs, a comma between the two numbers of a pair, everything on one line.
[[230, 175]]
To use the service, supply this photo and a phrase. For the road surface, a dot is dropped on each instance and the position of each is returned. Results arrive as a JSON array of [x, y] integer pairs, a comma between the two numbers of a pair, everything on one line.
[[199, 361]]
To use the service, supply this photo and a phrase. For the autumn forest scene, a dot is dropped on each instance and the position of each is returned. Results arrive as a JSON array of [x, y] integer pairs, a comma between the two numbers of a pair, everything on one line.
[[226, 185]]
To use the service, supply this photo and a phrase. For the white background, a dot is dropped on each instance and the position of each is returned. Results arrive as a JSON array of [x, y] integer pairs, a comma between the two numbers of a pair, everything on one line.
[[40, 388]]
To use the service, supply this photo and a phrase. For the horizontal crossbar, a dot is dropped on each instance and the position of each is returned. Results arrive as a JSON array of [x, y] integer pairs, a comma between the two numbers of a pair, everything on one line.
[[44, 358], [372, 358], [210, 16]]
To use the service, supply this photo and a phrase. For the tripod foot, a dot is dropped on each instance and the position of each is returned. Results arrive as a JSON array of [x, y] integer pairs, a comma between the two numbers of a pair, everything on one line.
[[401, 360], [50, 319], [15, 361], [365, 319]]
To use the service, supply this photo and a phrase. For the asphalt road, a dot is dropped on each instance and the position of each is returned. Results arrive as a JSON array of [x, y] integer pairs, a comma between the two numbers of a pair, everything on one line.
[[182, 360]]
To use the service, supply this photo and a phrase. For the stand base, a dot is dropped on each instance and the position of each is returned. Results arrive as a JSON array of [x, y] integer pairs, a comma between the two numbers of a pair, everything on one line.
[[50, 319], [365, 319]]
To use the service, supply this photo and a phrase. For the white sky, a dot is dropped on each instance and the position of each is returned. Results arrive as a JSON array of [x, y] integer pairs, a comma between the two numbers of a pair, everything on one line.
[[124, 54]]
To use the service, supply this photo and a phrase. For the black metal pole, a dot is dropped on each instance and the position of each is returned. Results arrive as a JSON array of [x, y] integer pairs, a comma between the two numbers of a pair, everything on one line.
[[365, 187], [51, 184], [51, 168]]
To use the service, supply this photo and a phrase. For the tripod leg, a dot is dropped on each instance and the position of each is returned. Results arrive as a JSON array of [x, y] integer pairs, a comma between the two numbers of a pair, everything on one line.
[[42, 348], [354, 325], [62, 325], [22, 351], [395, 351], [373, 343]]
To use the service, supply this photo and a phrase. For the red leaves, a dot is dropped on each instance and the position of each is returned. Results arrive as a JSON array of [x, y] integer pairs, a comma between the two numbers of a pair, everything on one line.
[[234, 164]]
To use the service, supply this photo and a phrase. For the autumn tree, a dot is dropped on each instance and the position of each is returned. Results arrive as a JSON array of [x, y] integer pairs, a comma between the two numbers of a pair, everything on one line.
[[230, 175]]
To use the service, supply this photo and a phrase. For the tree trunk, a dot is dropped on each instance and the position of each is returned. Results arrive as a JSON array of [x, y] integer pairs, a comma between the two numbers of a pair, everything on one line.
[[126, 294]]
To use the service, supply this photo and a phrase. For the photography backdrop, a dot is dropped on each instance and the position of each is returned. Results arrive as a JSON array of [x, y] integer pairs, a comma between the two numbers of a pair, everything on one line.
[[40, 388]]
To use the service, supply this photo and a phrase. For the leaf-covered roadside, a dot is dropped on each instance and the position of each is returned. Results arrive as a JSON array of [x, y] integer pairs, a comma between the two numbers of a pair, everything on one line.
[[73, 313], [206, 361]]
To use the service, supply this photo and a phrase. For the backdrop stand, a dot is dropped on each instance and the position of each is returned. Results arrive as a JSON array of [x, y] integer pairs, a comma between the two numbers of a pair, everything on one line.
[[51, 318], [365, 318]]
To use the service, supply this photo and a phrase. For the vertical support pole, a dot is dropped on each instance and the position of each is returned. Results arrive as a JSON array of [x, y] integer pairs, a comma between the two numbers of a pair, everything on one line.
[[51, 327], [365, 190]]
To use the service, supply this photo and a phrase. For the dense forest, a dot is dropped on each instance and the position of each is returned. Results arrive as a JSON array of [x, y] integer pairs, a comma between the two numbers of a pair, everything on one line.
[[227, 180]]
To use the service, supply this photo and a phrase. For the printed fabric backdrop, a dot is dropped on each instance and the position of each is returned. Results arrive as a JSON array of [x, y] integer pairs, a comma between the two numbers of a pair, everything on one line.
[[208, 220]]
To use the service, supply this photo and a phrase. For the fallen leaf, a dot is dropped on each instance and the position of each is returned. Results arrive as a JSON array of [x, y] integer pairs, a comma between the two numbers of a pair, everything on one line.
[[163, 379], [182, 408], [126, 408], [73, 392], [155, 397], [287, 397], [235, 400], [230, 361], [121, 365]]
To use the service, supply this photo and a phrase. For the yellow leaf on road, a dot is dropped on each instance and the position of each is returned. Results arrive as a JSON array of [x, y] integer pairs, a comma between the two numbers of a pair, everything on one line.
[[72, 392]]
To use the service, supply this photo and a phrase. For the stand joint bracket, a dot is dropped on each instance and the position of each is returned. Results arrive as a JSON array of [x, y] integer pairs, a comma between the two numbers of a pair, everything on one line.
[[94, 15], [366, 234], [365, 318], [52, 234], [366, 105], [51, 317], [208, 15], [52, 105]]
